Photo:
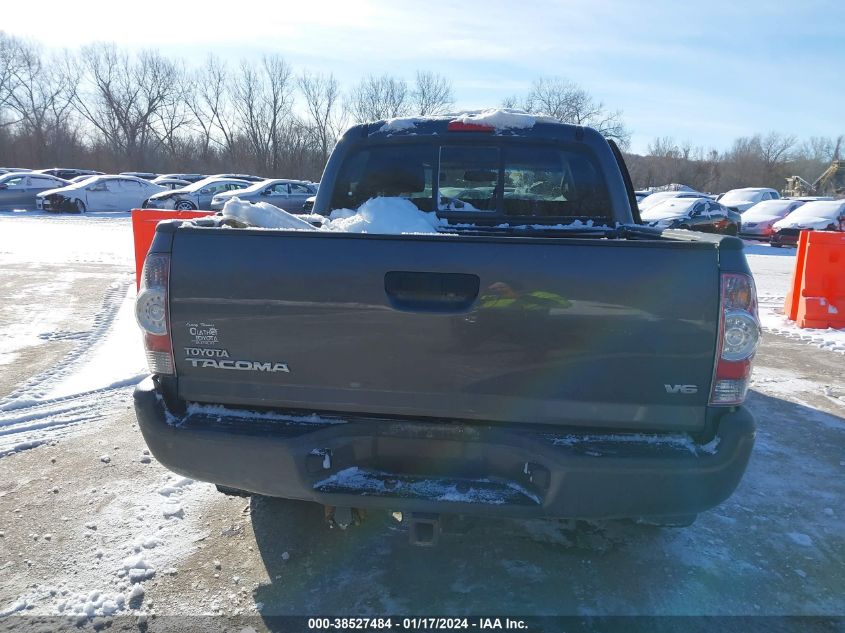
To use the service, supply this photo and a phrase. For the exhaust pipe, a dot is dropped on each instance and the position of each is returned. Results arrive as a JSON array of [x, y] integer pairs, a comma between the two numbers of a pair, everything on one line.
[[424, 529]]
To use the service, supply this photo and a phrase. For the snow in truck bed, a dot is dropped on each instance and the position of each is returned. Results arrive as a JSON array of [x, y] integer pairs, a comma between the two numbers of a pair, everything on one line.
[[395, 216], [386, 216]]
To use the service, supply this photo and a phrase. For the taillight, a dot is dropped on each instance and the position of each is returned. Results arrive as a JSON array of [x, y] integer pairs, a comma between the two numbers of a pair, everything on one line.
[[739, 336], [151, 312]]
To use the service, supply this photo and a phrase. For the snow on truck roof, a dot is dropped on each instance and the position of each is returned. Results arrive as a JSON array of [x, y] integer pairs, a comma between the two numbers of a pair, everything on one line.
[[498, 119]]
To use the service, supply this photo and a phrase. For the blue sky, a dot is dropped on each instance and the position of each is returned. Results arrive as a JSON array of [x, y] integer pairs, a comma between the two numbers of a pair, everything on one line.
[[702, 72]]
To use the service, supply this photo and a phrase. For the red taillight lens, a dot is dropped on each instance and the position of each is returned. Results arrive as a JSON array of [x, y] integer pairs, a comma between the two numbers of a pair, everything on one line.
[[152, 313], [461, 126], [739, 336]]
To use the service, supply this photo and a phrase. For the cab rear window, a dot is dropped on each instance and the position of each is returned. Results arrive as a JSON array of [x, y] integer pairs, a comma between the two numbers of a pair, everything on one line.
[[526, 180]]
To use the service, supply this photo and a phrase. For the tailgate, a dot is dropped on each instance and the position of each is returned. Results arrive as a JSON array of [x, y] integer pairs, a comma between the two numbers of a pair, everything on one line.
[[575, 332]]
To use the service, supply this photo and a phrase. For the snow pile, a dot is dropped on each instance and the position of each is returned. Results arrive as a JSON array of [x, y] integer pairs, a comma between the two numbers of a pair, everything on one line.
[[505, 119], [482, 491], [675, 441], [264, 215], [402, 124], [137, 568], [392, 216], [384, 215], [498, 118], [773, 320]]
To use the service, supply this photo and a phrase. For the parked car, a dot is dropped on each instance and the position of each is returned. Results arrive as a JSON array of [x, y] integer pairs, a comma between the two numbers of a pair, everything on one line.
[[172, 183], [18, 189], [759, 220], [79, 179], [99, 193], [189, 177], [810, 198], [308, 205], [195, 196], [247, 177], [659, 196], [69, 174], [507, 368], [6, 170], [696, 214], [143, 175], [289, 195], [741, 200], [819, 215]]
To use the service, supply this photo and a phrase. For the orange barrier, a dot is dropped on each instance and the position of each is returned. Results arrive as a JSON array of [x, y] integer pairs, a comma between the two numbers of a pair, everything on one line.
[[817, 298], [790, 307], [144, 223]]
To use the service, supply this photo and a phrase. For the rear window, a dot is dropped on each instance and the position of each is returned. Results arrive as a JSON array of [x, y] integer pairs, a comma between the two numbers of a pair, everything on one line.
[[480, 181], [403, 171]]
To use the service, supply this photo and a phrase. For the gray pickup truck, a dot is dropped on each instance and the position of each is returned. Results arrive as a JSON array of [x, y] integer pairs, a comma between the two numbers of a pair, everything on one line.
[[542, 355]]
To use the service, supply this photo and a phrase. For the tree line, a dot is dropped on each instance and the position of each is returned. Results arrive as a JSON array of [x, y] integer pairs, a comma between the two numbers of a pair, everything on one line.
[[751, 161], [110, 109]]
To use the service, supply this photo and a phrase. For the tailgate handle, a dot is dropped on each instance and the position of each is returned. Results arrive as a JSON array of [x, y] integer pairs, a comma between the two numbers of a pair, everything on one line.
[[431, 292]]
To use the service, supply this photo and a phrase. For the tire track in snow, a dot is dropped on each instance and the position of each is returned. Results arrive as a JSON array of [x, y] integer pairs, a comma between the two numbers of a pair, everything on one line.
[[49, 420], [32, 391], [28, 419]]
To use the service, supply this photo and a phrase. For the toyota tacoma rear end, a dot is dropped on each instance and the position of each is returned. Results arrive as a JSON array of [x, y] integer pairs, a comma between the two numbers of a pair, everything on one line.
[[542, 355]]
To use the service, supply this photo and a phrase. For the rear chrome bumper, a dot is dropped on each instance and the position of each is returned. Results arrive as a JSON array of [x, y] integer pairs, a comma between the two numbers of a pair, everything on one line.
[[454, 467]]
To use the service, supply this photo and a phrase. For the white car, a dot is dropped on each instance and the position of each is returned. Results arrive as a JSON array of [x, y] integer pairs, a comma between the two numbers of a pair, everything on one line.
[[740, 200], [99, 193], [656, 198], [197, 195], [758, 222], [822, 215]]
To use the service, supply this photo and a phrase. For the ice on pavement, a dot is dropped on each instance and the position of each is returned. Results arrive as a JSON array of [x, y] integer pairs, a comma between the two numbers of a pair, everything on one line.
[[140, 541], [377, 215]]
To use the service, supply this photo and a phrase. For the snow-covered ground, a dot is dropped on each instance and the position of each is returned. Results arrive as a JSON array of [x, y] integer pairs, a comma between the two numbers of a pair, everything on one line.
[[92, 525], [773, 270]]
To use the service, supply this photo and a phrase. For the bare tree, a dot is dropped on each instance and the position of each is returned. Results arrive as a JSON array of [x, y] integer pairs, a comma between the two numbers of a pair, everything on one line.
[[40, 96], [776, 149], [9, 66], [570, 103], [322, 103], [432, 94], [512, 102], [376, 98], [209, 101], [171, 121], [263, 98], [126, 98]]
